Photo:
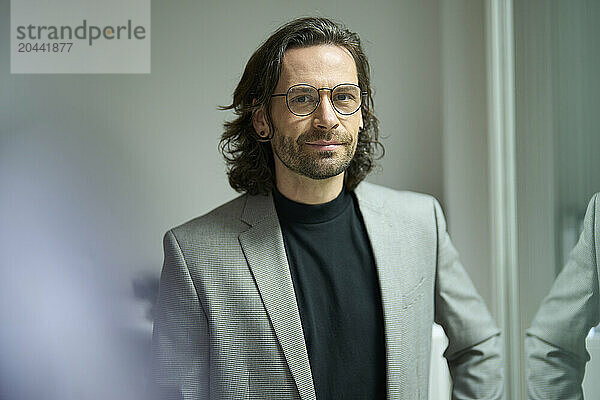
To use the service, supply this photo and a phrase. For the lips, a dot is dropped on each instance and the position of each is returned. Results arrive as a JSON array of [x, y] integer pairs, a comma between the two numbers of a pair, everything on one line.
[[324, 146], [324, 143]]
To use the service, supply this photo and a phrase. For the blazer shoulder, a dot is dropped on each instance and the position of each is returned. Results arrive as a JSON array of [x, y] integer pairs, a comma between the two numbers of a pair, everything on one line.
[[594, 208], [223, 219], [591, 219], [393, 200]]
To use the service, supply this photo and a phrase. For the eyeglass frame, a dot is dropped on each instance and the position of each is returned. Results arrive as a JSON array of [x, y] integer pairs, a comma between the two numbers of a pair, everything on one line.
[[362, 94]]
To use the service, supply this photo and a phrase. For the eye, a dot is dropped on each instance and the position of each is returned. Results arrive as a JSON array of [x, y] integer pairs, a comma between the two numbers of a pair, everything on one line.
[[302, 99], [343, 97]]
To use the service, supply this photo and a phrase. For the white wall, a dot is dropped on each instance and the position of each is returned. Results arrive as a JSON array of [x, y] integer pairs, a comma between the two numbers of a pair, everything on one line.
[[465, 146], [95, 168], [132, 155]]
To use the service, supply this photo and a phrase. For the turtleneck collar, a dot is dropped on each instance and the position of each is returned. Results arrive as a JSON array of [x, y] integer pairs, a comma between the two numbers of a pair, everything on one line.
[[310, 213]]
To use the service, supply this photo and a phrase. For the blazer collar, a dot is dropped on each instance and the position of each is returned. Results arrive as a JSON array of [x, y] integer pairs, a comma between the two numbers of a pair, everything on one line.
[[264, 250], [395, 249], [258, 208]]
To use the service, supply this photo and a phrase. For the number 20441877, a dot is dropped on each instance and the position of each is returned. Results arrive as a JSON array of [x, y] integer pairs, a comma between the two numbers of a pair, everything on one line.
[[59, 47]]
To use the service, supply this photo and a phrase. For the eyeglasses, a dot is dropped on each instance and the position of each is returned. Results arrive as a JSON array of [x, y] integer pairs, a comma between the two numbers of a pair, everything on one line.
[[303, 99]]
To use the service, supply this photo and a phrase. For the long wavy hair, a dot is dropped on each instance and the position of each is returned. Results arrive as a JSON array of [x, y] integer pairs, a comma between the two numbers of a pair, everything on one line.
[[250, 165]]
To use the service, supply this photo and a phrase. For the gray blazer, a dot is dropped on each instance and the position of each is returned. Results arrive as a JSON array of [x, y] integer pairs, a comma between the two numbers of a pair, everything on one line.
[[555, 343], [228, 327]]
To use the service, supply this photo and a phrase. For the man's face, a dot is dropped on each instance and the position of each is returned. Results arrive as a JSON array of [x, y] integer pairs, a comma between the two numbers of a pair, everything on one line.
[[322, 144]]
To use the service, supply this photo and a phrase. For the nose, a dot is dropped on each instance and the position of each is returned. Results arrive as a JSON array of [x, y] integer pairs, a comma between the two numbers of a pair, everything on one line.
[[325, 117]]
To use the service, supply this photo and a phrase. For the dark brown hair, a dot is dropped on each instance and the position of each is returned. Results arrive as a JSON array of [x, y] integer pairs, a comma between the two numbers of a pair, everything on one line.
[[249, 161]]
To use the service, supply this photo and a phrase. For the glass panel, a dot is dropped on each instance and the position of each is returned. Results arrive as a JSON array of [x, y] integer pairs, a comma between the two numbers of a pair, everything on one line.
[[557, 60]]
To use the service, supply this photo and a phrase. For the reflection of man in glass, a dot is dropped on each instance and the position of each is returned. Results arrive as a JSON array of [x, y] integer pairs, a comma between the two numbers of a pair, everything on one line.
[[555, 343], [313, 283]]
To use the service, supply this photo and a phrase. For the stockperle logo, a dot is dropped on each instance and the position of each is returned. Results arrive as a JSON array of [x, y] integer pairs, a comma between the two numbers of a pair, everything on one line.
[[80, 36]]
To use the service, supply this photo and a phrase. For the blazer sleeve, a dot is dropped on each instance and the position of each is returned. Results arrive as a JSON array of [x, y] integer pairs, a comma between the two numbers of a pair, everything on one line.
[[475, 349], [180, 349], [555, 342]]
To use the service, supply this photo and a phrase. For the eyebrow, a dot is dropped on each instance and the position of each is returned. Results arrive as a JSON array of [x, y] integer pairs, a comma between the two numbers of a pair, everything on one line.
[[305, 89]]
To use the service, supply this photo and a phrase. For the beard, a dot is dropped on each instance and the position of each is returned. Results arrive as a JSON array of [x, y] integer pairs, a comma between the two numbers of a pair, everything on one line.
[[314, 164]]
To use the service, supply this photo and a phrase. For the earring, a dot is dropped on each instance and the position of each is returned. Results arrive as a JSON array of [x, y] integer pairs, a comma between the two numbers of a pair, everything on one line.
[[264, 138]]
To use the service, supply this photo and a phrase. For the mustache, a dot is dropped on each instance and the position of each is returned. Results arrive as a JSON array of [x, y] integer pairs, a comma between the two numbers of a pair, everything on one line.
[[313, 136]]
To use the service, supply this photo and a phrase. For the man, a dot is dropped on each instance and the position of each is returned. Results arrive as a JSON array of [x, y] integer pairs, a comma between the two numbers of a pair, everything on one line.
[[555, 343], [311, 285]]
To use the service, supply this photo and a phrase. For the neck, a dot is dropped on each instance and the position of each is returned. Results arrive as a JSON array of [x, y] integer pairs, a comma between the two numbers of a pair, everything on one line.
[[309, 191]]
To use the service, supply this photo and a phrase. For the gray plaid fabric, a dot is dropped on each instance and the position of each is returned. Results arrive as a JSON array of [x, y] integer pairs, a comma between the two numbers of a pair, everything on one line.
[[228, 327], [555, 343]]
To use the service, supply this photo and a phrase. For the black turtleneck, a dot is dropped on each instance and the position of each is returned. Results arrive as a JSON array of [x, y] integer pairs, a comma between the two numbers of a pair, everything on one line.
[[338, 296]]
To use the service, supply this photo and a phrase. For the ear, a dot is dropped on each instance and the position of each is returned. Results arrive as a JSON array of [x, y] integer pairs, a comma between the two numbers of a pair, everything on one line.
[[361, 125], [259, 122]]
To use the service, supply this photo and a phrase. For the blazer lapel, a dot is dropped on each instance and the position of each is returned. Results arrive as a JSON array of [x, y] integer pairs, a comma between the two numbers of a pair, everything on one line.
[[392, 249], [263, 247]]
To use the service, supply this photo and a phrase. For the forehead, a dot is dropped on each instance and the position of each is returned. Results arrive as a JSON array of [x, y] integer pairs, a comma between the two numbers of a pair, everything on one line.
[[320, 66]]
